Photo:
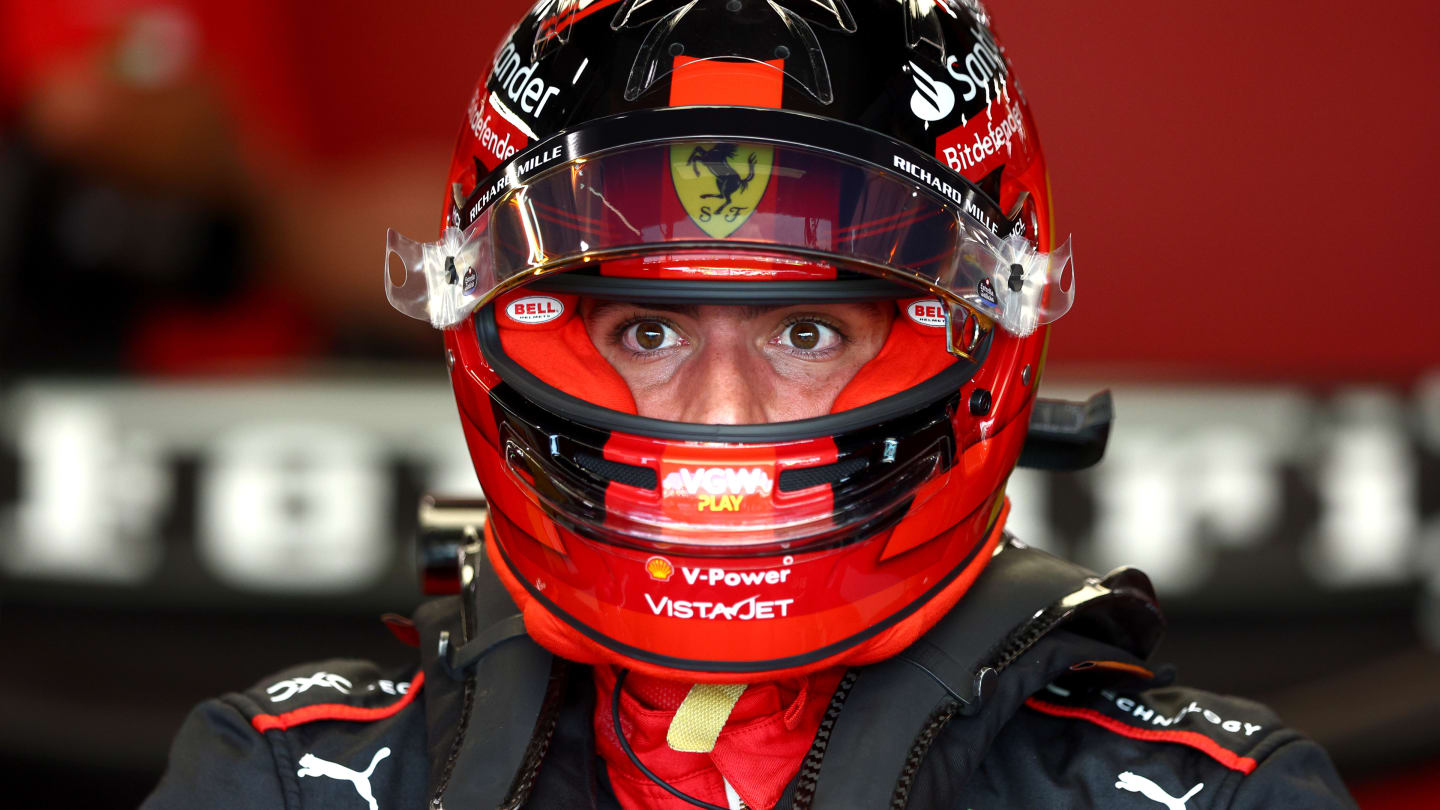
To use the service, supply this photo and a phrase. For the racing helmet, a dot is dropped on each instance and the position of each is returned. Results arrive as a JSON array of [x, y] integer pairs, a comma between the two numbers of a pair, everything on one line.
[[780, 159]]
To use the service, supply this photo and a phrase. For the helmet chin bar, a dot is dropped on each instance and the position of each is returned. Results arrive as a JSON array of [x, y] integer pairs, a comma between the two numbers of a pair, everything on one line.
[[1064, 436]]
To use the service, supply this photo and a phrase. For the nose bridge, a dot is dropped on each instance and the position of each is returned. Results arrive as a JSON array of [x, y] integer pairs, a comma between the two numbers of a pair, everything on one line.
[[729, 387]]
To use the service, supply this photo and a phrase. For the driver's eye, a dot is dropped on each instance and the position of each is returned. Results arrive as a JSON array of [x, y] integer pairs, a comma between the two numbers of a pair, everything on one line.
[[648, 336], [809, 336], [805, 335]]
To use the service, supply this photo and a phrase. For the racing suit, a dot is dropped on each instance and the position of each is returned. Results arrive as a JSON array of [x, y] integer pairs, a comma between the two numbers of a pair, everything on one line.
[[1032, 692]]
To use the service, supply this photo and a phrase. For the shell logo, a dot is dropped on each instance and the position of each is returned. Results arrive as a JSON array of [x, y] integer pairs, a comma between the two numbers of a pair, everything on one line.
[[659, 569]]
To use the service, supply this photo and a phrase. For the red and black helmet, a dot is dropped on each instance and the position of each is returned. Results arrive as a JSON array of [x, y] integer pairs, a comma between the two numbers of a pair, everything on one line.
[[751, 153]]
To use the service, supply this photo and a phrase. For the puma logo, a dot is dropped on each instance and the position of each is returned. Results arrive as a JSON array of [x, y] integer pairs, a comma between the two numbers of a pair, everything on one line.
[[1136, 783], [311, 765]]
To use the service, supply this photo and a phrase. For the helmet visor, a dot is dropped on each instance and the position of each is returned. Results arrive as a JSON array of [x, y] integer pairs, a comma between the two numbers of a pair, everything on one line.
[[899, 221]]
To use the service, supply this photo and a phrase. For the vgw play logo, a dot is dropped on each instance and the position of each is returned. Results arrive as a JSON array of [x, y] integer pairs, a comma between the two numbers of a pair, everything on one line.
[[717, 489]]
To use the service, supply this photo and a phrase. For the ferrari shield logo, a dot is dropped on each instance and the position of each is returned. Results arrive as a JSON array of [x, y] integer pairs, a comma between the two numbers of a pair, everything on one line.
[[720, 183]]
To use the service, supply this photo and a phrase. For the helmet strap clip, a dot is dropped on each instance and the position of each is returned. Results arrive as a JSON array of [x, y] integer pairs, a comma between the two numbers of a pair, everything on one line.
[[963, 330]]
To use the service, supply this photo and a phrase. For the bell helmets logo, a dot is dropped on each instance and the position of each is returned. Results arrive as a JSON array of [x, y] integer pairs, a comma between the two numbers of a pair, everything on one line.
[[534, 309], [659, 569], [926, 312], [720, 183], [932, 100]]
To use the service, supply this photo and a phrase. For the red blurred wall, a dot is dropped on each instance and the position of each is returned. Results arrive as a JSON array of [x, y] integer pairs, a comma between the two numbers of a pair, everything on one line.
[[1250, 185]]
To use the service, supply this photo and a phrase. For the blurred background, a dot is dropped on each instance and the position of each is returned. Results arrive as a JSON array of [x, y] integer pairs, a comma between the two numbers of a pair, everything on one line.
[[214, 431]]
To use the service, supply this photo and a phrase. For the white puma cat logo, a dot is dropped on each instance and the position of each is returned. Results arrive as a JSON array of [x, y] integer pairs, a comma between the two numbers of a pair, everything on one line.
[[1136, 783], [311, 765]]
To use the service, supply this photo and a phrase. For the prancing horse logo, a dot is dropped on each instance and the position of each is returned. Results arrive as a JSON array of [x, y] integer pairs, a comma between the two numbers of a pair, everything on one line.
[[720, 198], [727, 180]]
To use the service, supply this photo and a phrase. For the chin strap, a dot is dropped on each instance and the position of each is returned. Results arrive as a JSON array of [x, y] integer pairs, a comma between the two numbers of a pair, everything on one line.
[[702, 714]]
